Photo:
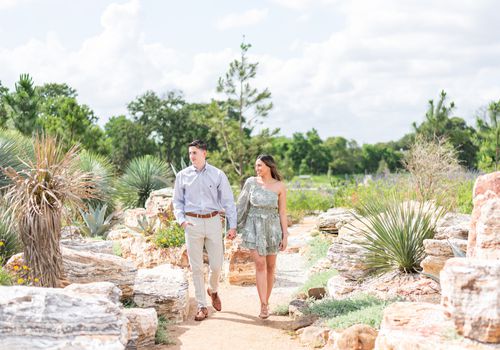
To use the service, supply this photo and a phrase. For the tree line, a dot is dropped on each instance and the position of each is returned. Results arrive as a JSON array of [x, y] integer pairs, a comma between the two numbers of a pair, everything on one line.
[[162, 126]]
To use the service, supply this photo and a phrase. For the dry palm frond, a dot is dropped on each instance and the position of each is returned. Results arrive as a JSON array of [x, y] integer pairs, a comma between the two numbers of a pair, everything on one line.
[[38, 196]]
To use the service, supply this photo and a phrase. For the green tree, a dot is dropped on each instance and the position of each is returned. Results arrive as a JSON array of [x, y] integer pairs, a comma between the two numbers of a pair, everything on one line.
[[245, 105], [23, 105], [438, 123], [125, 140], [488, 139], [345, 155], [3, 108]]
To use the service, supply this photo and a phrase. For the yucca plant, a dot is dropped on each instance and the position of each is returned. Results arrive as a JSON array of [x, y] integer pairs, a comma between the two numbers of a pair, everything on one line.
[[37, 198], [102, 173], [142, 176], [394, 232], [9, 241], [97, 224], [13, 147]]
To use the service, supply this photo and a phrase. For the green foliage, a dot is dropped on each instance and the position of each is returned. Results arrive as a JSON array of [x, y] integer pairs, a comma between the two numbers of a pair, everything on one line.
[[9, 240], [96, 222], [370, 315], [162, 336], [281, 310], [13, 147], [6, 278], [319, 279], [170, 233], [102, 173], [488, 139], [394, 232], [23, 105], [317, 248], [117, 248], [308, 201], [329, 308], [142, 176]]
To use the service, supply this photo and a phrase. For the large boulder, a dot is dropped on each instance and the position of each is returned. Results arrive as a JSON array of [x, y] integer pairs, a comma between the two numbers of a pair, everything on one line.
[[87, 267], [438, 251], [159, 200], [144, 323], [471, 297], [165, 289], [453, 225], [49, 318], [420, 326], [239, 265], [346, 255], [89, 245], [487, 187], [488, 231], [334, 219]]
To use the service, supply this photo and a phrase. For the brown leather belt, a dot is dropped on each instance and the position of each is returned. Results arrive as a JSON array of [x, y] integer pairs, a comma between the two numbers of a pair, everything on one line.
[[203, 216]]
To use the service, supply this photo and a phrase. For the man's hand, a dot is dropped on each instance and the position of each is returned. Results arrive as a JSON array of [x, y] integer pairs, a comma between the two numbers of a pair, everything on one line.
[[186, 224], [231, 234]]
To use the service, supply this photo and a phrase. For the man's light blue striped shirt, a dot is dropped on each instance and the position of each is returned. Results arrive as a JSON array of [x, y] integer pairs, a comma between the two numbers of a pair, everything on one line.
[[203, 192]]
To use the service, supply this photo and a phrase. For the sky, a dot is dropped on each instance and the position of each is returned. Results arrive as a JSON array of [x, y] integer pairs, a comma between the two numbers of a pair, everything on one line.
[[361, 69]]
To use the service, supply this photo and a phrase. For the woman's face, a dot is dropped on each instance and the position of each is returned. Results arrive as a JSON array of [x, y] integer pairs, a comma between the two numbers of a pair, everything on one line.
[[261, 168]]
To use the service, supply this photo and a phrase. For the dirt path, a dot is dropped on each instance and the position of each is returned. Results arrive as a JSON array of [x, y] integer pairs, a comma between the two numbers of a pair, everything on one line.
[[237, 325]]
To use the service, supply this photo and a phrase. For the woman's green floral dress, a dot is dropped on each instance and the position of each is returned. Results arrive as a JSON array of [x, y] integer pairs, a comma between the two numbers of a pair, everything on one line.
[[258, 218]]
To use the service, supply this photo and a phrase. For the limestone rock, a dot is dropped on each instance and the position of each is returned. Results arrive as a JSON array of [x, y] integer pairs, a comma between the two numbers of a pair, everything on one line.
[[49, 318], [85, 267], [420, 326], [488, 231], [164, 288], [339, 287], [316, 337], [240, 268], [486, 187], [89, 245], [296, 308], [131, 217], [316, 293], [159, 200], [346, 255], [453, 225], [442, 247], [71, 232], [144, 323], [356, 337], [122, 232], [433, 264], [471, 297], [106, 289], [332, 220]]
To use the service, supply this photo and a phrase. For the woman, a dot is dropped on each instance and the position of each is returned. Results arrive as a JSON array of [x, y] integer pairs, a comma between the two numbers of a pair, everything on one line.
[[263, 225]]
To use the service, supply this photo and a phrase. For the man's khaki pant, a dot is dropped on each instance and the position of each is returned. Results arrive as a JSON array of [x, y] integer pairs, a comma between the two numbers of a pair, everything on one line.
[[208, 233]]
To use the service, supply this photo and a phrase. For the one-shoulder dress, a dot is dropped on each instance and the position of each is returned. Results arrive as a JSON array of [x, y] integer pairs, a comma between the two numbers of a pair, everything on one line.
[[258, 218]]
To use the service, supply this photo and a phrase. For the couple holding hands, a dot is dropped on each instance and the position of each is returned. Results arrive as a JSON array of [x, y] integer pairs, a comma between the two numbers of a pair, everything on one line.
[[201, 191]]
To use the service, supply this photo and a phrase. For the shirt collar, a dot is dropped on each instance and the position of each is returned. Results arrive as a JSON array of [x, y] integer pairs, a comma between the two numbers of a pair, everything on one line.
[[202, 169]]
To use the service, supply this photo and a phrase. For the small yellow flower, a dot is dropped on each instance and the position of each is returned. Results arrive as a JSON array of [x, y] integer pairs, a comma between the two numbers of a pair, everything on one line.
[[1, 243], [25, 267], [36, 280], [16, 267], [20, 280]]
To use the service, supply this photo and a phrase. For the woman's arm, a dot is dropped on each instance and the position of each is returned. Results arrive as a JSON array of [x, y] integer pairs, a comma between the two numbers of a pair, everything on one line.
[[283, 217]]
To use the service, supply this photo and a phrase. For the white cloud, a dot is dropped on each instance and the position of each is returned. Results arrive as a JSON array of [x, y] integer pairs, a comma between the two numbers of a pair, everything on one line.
[[301, 4], [6, 4], [245, 19], [368, 81]]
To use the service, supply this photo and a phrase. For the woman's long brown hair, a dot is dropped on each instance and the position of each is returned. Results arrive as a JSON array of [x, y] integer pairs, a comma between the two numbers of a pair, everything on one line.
[[269, 161]]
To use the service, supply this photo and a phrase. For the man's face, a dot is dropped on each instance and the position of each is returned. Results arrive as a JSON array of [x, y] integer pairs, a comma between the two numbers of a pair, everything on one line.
[[197, 156]]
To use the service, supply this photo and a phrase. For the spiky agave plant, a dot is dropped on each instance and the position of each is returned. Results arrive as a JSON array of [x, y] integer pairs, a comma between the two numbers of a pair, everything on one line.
[[394, 232], [13, 147], [142, 176], [37, 198]]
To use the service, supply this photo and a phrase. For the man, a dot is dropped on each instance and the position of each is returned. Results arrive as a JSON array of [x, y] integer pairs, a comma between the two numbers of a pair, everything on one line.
[[201, 191]]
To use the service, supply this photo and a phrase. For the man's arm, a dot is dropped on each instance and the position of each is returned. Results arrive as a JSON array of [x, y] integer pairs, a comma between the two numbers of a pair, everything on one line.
[[178, 200], [227, 201]]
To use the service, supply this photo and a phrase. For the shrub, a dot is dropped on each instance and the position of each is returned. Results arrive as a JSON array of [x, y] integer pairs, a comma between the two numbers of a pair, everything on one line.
[[142, 176], [170, 233], [394, 232], [370, 315], [281, 310], [5, 278], [9, 241], [319, 279], [328, 308], [162, 336], [308, 201]]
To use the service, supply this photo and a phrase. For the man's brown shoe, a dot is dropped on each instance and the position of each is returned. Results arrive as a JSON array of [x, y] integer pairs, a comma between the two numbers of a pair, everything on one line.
[[216, 303], [201, 314]]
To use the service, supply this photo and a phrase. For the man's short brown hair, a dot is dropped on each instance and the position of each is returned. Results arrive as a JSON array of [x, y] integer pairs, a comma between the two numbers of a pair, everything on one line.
[[198, 144]]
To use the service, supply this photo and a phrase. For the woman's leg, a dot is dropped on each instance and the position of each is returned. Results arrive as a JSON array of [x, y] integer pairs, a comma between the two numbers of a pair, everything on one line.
[[270, 268], [260, 275]]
